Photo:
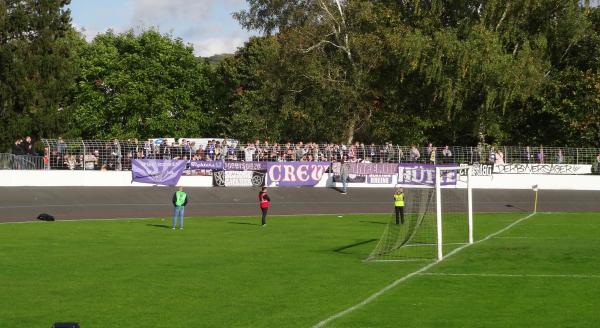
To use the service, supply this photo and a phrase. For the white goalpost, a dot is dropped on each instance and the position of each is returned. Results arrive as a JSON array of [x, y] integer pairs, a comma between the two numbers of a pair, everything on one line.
[[429, 231], [439, 213]]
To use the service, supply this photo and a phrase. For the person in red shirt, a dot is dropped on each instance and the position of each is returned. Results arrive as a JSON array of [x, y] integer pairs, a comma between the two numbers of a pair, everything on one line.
[[264, 202]]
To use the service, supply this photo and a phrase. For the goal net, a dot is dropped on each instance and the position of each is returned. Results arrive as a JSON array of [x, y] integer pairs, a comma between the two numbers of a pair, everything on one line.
[[437, 215]]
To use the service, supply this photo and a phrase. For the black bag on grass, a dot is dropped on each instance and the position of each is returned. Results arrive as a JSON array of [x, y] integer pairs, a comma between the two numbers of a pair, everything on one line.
[[45, 217]]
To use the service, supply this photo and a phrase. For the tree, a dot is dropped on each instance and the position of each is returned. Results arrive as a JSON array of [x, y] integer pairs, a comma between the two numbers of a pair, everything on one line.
[[409, 70], [141, 86], [323, 44], [565, 112], [36, 67]]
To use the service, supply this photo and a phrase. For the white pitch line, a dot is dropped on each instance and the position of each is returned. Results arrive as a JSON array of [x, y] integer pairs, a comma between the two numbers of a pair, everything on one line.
[[543, 238], [169, 204], [429, 245], [80, 220], [414, 273], [211, 217], [501, 275], [566, 225]]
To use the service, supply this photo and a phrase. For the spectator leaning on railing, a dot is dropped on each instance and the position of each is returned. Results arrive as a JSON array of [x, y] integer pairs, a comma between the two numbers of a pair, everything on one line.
[[23, 147]]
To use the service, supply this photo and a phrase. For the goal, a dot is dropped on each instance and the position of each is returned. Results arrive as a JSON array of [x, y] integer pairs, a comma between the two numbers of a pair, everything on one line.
[[438, 215]]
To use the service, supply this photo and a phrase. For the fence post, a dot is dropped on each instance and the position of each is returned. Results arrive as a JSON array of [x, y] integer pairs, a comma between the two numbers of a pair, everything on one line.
[[84, 154]]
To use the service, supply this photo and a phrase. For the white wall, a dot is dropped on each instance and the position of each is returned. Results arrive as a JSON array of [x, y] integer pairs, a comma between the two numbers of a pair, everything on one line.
[[526, 181], [13, 178], [66, 178]]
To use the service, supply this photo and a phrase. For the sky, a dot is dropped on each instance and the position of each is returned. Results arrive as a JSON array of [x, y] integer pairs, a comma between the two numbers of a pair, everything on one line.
[[205, 24]]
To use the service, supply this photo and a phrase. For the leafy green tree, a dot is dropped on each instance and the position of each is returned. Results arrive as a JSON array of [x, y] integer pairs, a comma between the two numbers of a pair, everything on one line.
[[447, 71], [36, 67], [565, 112], [141, 86], [328, 56]]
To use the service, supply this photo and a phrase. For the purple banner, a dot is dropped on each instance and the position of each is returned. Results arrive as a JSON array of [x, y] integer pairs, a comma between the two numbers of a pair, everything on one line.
[[228, 166], [424, 174], [157, 171], [368, 168], [206, 165], [294, 174]]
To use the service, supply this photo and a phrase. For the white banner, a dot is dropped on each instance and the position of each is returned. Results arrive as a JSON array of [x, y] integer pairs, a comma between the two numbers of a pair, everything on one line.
[[562, 169]]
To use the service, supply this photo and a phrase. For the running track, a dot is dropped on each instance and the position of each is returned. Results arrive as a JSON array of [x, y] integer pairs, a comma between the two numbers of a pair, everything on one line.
[[64, 203]]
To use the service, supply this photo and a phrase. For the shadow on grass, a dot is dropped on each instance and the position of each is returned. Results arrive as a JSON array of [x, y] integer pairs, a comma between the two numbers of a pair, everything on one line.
[[159, 225], [516, 207], [246, 223], [341, 249], [375, 222]]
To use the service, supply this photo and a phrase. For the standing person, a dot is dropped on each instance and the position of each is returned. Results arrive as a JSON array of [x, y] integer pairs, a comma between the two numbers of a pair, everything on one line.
[[559, 157], [180, 199], [414, 153], [344, 172], [540, 155], [447, 154], [399, 205], [117, 155], [430, 152], [499, 157], [432, 155], [264, 201]]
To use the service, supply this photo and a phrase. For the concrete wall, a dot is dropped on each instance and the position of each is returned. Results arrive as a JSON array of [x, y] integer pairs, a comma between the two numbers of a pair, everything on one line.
[[60, 178]]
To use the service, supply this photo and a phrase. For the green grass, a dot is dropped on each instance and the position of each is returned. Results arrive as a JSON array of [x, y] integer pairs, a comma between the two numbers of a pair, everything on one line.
[[297, 271]]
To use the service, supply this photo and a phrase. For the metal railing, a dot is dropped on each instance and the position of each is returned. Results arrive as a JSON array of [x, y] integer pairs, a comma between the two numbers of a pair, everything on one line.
[[118, 154], [21, 162]]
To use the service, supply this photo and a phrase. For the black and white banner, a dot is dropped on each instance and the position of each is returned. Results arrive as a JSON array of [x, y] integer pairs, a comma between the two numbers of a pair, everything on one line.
[[483, 170], [238, 179]]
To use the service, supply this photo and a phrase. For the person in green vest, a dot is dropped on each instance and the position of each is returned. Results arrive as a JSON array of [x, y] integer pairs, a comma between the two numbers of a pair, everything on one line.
[[180, 199], [399, 205]]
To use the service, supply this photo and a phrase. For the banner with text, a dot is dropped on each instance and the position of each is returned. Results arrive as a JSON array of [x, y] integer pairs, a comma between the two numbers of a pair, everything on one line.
[[479, 170], [238, 179], [156, 171], [206, 168], [424, 174], [294, 174], [561, 169], [370, 173]]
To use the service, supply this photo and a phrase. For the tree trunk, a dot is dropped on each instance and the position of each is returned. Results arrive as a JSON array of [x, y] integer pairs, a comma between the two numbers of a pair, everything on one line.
[[351, 128]]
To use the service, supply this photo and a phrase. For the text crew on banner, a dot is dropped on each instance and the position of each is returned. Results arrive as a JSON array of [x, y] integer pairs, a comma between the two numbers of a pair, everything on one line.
[[295, 174]]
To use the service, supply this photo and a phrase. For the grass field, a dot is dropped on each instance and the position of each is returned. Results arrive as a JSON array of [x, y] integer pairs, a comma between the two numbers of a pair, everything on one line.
[[295, 272]]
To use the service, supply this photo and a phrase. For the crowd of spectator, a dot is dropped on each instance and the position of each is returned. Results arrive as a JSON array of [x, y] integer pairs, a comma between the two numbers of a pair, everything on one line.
[[118, 155]]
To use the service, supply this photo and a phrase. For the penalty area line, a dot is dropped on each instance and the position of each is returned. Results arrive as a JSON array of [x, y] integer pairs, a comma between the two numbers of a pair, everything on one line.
[[412, 274], [508, 275]]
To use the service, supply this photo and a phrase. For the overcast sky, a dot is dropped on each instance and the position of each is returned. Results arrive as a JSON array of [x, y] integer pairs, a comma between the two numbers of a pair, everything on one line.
[[206, 24]]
